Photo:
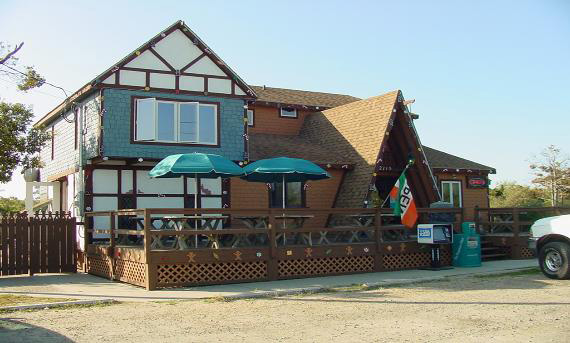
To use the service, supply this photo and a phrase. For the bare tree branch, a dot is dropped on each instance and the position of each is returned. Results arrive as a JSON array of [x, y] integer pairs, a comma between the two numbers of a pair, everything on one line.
[[10, 54]]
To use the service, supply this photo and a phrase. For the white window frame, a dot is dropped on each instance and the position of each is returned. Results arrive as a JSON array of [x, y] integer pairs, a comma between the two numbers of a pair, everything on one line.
[[177, 122], [450, 182], [296, 114], [251, 122]]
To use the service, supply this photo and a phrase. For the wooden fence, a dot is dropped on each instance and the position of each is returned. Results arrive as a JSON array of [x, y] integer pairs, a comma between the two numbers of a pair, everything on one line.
[[508, 229], [44, 243], [352, 241]]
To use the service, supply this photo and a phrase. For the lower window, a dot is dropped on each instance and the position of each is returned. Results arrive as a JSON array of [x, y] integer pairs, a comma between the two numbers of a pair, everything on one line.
[[294, 195], [451, 192]]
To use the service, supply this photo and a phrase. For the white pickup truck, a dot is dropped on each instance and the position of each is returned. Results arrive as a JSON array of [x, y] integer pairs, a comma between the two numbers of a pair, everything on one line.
[[550, 238]]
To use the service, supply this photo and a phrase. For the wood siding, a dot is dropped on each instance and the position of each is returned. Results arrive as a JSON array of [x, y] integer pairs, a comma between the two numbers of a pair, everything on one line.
[[471, 196], [267, 120]]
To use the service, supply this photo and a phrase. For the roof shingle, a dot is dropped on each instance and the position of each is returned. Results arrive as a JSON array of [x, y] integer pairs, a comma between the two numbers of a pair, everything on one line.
[[299, 97]]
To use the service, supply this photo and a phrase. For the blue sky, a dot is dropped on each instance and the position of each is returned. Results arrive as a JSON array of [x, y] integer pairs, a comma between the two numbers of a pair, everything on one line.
[[491, 79]]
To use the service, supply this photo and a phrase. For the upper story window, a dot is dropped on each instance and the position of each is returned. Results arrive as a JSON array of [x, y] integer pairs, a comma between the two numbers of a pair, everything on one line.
[[176, 122], [250, 117], [288, 112], [451, 193]]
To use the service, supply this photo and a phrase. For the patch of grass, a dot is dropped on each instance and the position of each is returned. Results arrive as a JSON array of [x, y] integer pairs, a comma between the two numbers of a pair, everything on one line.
[[14, 300], [524, 272], [62, 307]]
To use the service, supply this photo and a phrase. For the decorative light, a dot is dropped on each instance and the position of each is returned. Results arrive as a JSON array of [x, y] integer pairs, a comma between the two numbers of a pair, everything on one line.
[[105, 158], [147, 88], [137, 52], [140, 159]]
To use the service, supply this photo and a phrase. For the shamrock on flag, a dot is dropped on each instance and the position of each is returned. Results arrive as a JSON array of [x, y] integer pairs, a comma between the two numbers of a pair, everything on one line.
[[402, 200]]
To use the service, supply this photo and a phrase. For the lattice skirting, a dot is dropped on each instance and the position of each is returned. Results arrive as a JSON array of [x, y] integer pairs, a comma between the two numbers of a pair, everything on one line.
[[327, 265], [99, 266], [178, 275], [527, 253], [414, 260], [130, 272]]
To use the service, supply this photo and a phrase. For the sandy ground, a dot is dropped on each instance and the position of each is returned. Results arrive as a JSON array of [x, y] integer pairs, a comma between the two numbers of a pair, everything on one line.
[[511, 308]]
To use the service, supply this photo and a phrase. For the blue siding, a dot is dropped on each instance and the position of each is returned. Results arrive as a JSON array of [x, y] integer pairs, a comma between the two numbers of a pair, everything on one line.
[[117, 127]]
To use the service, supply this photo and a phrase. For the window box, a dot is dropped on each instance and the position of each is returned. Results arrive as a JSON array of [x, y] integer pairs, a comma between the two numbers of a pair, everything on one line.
[[175, 122], [288, 112]]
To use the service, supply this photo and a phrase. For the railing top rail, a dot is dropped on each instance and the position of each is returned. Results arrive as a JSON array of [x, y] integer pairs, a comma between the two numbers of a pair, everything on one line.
[[529, 209]]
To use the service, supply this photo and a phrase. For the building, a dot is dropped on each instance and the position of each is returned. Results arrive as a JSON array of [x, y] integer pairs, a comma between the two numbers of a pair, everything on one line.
[[174, 95]]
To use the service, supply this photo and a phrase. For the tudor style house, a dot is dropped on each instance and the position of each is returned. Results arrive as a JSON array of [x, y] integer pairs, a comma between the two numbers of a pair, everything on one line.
[[174, 95]]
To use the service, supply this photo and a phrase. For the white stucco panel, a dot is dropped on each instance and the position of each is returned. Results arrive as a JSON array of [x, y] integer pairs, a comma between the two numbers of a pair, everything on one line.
[[110, 79], [132, 78], [239, 91], [206, 66], [220, 86], [162, 81], [191, 83], [177, 49], [105, 181], [147, 60]]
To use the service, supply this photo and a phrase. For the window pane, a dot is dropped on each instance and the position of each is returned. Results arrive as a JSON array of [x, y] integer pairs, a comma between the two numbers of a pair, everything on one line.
[[277, 195], [165, 121], [188, 122], [207, 124], [250, 117], [456, 194], [288, 112], [446, 192], [211, 186], [294, 194], [145, 119]]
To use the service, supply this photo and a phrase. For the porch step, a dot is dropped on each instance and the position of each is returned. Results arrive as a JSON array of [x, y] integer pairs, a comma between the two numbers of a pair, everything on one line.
[[493, 256]]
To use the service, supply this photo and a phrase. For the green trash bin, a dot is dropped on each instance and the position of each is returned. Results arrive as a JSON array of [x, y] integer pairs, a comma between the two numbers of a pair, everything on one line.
[[466, 247]]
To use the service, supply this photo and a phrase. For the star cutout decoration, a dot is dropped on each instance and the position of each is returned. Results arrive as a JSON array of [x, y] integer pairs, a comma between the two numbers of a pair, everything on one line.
[[191, 255], [349, 250], [402, 246], [504, 241], [216, 256], [237, 255], [389, 248], [308, 252]]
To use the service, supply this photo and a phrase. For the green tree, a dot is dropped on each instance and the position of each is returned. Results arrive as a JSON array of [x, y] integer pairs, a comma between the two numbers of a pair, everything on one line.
[[510, 194], [11, 204], [552, 172], [20, 143]]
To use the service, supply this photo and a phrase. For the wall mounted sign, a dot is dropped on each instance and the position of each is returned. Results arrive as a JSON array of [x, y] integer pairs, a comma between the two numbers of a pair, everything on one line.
[[477, 182]]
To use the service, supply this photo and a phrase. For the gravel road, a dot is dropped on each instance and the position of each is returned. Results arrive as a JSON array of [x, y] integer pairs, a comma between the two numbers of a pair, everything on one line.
[[524, 307]]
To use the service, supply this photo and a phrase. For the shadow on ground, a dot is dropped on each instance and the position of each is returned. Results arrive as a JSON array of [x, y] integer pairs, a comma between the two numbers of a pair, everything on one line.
[[15, 330]]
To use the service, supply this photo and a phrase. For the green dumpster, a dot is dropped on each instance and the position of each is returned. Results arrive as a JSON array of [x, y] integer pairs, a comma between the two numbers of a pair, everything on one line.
[[466, 247]]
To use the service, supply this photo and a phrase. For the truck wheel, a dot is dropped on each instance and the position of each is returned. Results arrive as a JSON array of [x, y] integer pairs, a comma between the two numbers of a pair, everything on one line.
[[553, 259]]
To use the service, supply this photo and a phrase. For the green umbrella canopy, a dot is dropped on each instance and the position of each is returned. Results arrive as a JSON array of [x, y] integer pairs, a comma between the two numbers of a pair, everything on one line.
[[284, 169], [195, 164]]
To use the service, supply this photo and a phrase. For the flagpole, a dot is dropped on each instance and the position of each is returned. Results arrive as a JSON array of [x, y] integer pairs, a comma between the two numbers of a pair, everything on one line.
[[410, 163]]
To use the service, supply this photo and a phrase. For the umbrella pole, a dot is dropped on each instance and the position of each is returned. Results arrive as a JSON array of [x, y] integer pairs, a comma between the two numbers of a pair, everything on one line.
[[196, 206], [284, 219]]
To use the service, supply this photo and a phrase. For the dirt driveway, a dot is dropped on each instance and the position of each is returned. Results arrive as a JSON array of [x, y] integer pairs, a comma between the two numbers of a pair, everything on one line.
[[519, 307]]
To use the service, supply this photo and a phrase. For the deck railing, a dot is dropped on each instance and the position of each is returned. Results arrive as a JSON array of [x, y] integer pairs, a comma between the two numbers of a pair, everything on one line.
[[277, 243]]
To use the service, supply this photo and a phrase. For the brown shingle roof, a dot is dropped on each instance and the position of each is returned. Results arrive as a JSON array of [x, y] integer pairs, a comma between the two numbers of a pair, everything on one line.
[[299, 97], [355, 131], [268, 146], [441, 160]]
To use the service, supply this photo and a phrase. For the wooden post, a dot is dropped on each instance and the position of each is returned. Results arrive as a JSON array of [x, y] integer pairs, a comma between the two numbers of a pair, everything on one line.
[[476, 219], [85, 242], [150, 280], [111, 250], [516, 248], [272, 263], [378, 255]]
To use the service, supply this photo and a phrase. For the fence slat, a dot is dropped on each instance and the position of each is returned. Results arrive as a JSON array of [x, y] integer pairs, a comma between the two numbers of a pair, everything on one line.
[[24, 226], [52, 247], [18, 243], [43, 251], [4, 241], [34, 244], [61, 243], [71, 245], [11, 246]]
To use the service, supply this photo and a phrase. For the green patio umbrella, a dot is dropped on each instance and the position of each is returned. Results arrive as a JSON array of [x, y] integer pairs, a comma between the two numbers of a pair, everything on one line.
[[283, 169], [195, 164]]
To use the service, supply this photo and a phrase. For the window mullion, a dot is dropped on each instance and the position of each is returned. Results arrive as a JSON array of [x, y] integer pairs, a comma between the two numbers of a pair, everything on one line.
[[197, 122]]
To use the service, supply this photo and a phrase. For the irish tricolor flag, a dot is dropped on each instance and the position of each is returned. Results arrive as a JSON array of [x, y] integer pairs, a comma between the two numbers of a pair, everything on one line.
[[402, 200]]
